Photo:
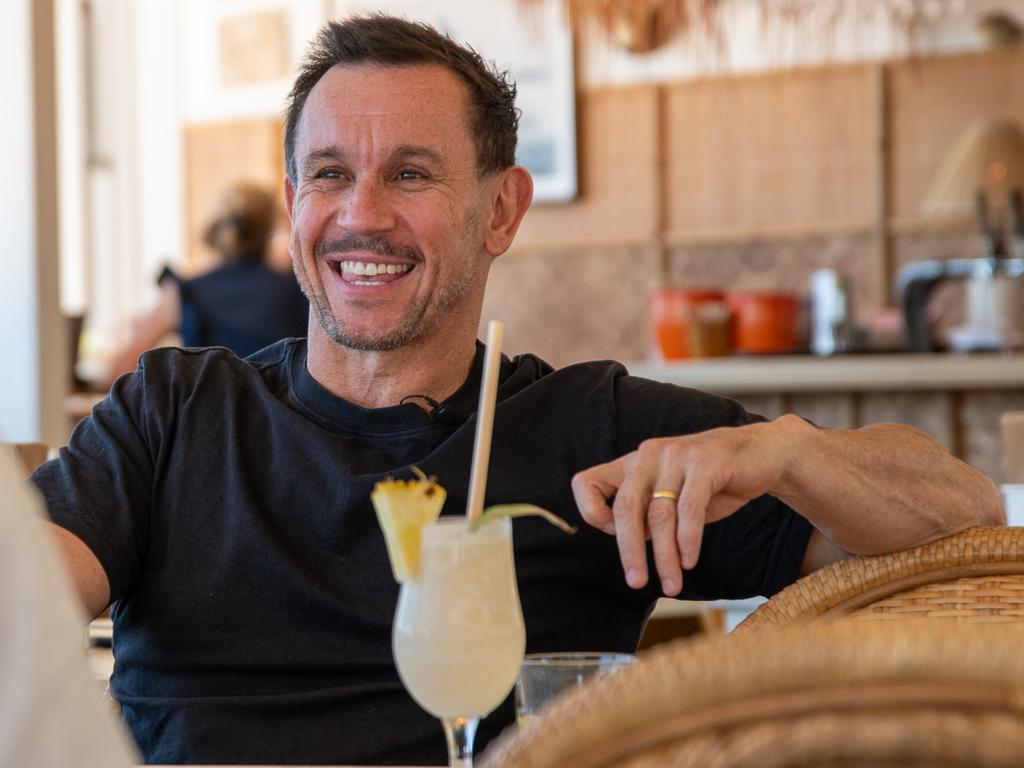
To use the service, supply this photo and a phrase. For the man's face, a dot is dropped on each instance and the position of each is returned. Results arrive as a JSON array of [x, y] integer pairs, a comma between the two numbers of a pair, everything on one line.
[[387, 210]]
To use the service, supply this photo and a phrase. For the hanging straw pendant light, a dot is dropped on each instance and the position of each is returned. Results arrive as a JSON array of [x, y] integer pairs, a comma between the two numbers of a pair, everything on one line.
[[641, 26]]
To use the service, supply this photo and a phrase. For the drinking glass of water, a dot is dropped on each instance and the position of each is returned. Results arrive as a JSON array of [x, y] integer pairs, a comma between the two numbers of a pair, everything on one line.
[[545, 675]]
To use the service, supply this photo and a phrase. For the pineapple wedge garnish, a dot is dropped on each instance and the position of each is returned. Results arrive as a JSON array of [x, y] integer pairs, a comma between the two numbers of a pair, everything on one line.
[[403, 507]]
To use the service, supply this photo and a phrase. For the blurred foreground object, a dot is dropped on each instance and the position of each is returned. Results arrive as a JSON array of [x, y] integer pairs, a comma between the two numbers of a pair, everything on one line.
[[51, 711], [974, 577], [846, 692]]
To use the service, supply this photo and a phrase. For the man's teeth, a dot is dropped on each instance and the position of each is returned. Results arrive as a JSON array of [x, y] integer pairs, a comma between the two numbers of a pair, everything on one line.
[[371, 269]]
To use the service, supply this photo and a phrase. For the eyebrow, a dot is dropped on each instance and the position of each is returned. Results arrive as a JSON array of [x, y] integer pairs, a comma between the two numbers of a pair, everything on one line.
[[404, 152], [317, 156], [408, 152]]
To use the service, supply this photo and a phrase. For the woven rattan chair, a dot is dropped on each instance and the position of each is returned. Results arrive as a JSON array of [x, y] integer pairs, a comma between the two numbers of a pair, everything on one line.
[[976, 576], [837, 693]]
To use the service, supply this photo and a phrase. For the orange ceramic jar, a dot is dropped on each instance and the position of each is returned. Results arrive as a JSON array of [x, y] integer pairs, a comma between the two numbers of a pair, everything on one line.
[[670, 316], [763, 323]]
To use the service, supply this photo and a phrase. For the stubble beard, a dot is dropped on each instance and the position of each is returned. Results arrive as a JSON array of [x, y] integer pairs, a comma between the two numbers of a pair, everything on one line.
[[419, 319]]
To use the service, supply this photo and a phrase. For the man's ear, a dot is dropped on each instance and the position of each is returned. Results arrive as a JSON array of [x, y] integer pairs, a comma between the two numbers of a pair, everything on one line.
[[511, 192]]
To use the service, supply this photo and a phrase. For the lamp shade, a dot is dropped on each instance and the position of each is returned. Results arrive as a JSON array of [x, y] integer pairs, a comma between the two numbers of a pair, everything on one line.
[[988, 158]]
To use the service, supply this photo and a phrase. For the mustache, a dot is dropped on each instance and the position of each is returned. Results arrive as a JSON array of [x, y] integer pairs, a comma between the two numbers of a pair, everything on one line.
[[378, 245]]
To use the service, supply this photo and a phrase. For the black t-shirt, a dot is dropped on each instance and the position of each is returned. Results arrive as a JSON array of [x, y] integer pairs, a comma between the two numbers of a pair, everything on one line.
[[244, 306], [228, 501]]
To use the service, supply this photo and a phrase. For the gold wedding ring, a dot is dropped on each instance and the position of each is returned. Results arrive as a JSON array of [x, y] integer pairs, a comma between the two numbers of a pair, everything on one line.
[[665, 495]]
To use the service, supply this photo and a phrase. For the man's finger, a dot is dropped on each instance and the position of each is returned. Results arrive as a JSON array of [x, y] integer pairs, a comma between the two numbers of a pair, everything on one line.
[[630, 513], [692, 513], [592, 488], [661, 520]]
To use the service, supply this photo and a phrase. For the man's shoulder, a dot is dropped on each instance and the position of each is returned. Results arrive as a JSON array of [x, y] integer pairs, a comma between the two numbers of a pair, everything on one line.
[[531, 373], [192, 364], [595, 369], [644, 406], [579, 371]]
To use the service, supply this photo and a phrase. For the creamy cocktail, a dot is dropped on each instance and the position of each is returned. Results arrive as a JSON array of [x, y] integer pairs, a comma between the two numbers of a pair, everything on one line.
[[458, 636]]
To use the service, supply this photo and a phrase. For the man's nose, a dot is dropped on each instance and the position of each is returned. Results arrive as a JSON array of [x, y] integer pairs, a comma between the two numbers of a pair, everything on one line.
[[367, 208]]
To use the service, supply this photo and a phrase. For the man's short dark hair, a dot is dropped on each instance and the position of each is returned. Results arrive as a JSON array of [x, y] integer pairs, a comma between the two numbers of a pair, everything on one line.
[[390, 41]]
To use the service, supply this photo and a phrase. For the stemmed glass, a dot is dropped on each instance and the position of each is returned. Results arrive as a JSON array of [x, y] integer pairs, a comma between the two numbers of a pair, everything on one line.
[[458, 637]]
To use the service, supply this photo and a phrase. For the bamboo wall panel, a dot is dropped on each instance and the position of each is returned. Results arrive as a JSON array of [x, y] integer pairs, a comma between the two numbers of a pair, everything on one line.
[[781, 153], [932, 101], [219, 154], [617, 131]]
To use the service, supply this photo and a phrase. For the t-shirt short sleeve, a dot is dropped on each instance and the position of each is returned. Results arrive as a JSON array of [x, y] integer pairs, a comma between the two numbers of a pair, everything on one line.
[[100, 488], [759, 549]]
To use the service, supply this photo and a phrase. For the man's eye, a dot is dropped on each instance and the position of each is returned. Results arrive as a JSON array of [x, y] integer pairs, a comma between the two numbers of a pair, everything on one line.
[[329, 173], [408, 175]]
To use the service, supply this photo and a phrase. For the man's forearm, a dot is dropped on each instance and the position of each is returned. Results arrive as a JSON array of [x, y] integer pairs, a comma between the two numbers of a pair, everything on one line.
[[881, 488], [86, 573]]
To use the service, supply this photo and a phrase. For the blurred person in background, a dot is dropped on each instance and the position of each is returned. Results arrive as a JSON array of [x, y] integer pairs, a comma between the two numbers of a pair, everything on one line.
[[245, 303], [51, 710]]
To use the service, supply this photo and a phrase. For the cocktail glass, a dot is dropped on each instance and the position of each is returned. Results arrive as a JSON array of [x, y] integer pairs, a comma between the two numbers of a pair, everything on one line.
[[458, 636]]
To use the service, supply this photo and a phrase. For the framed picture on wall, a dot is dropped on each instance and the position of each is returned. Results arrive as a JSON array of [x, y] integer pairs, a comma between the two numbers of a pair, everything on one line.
[[535, 45], [238, 56]]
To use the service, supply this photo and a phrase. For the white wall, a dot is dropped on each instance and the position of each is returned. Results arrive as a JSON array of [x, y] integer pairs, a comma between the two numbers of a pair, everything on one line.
[[160, 149], [32, 341], [133, 163], [72, 153], [114, 268]]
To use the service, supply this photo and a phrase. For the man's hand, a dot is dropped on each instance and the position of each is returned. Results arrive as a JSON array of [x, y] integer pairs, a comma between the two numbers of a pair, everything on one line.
[[876, 489], [712, 474]]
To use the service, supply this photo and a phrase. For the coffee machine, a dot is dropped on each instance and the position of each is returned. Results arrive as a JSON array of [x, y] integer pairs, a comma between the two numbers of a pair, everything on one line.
[[994, 290]]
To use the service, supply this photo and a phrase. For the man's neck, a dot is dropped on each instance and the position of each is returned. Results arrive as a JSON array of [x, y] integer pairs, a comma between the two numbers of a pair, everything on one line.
[[380, 379]]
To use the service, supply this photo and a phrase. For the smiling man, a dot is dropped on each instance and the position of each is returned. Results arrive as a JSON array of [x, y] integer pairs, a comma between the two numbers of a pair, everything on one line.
[[395, 221], [222, 505]]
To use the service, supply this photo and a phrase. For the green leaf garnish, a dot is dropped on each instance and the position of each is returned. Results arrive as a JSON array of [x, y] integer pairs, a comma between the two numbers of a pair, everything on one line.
[[519, 510]]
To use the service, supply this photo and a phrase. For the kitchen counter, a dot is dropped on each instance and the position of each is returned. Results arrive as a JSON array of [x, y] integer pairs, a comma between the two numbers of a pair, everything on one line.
[[841, 373]]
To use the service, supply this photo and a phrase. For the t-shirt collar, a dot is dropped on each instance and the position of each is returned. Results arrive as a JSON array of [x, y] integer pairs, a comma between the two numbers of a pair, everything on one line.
[[337, 413]]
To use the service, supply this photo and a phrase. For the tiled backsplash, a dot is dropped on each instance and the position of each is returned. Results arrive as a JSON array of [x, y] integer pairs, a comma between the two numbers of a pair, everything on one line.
[[572, 305], [569, 306]]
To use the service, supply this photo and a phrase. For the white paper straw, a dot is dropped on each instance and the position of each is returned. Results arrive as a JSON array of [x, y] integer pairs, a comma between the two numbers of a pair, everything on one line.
[[485, 421]]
